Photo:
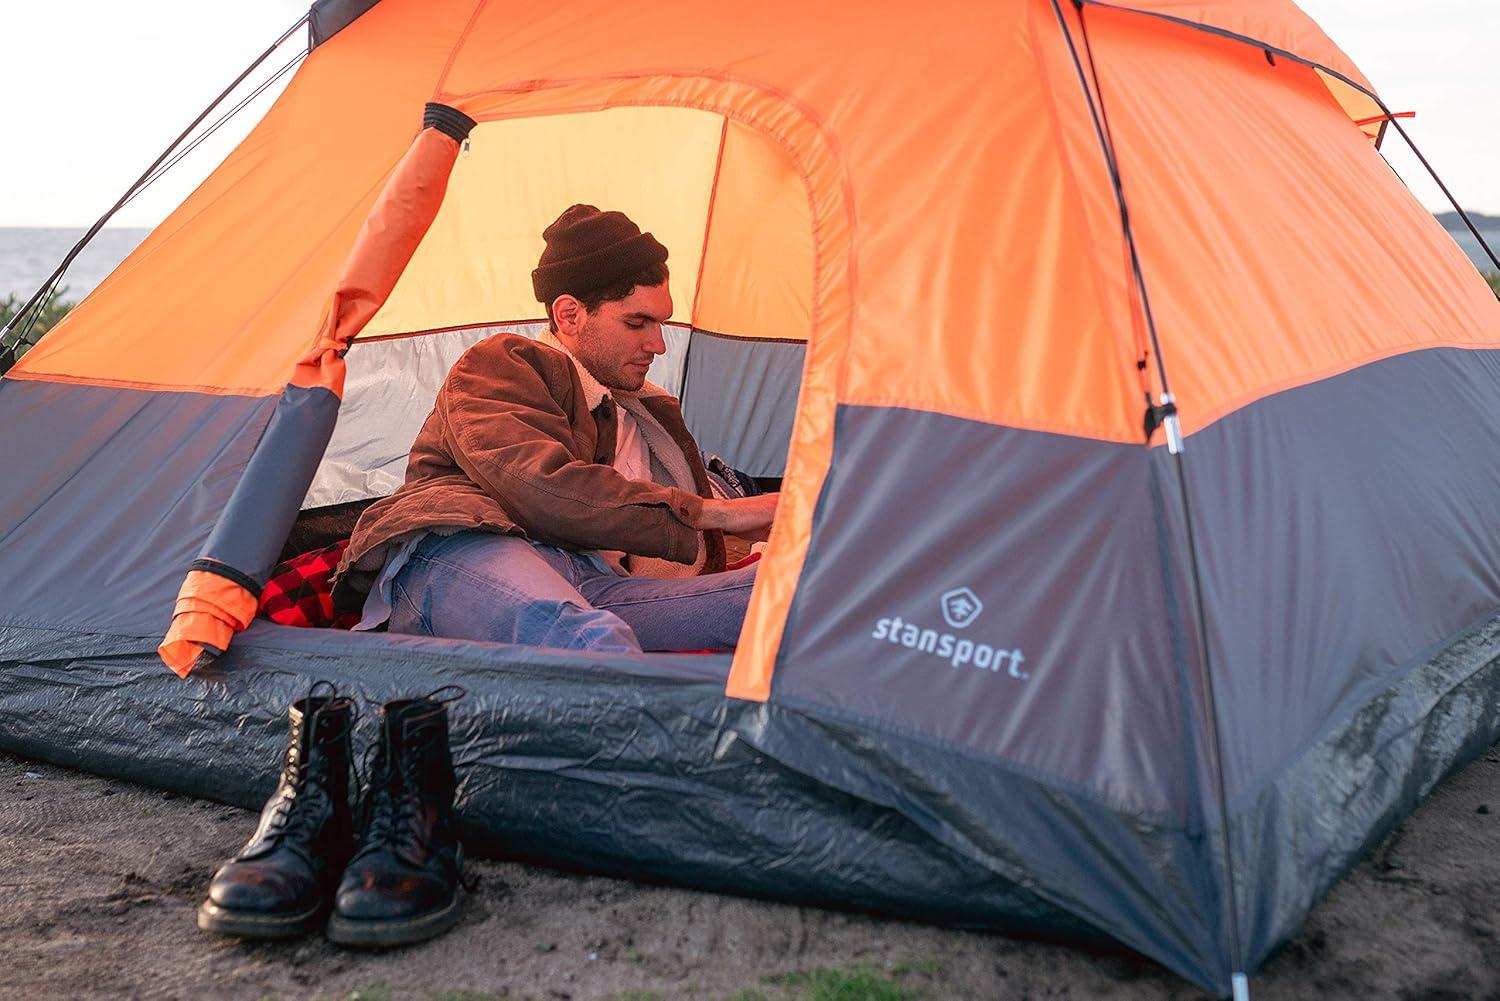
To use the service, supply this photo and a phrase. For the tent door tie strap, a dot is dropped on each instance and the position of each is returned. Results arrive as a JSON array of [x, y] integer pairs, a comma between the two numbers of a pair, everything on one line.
[[449, 121], [213, 566]]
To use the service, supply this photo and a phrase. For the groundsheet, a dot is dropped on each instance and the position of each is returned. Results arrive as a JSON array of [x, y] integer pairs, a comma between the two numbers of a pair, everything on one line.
[[100, 881]]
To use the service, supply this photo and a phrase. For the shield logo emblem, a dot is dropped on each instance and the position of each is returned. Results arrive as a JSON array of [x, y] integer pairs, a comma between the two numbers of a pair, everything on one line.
[[961, 607]]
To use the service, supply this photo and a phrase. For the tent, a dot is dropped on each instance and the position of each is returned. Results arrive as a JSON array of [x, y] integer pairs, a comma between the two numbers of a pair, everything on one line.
[[1138, 562]]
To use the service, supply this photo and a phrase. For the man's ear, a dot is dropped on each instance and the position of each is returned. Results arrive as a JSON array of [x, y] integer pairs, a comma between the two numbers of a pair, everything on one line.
[[569, 314]]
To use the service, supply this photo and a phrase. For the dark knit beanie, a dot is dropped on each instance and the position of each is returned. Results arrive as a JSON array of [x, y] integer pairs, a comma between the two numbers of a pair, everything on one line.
[[588, 250]]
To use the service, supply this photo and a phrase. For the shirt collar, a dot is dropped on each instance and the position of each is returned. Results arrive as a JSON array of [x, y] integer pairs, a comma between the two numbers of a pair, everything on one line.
[[594, 392]]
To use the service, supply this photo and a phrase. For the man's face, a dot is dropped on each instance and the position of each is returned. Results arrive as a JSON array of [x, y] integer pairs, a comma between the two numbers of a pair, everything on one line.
[[618, 341]]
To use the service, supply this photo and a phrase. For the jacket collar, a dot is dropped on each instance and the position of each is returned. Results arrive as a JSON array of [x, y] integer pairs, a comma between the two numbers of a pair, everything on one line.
[[594, 392]]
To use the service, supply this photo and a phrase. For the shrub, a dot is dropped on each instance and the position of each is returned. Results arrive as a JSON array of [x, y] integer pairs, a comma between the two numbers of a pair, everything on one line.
[[52, 312]]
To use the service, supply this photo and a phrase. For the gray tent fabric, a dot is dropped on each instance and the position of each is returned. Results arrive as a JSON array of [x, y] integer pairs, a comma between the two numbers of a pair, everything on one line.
[[1039, 610], [739, 396], [389, 390], [1067, 620], [108, 495], [665, 781], [329, 17]]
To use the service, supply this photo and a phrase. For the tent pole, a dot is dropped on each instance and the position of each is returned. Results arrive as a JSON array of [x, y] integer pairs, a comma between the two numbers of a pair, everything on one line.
[[1391, 119], [9, 356], [1164, 414]]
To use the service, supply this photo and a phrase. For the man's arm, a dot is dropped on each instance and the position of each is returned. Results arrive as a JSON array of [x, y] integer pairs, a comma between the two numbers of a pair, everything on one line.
[[747, 517], [511, 437]]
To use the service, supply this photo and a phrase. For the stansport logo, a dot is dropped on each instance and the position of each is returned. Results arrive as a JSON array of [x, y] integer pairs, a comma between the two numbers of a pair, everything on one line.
[[960, 607]]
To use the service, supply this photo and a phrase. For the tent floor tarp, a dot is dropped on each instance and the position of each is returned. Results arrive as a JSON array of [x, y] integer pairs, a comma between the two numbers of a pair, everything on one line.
[[630, 766], [640, 767]]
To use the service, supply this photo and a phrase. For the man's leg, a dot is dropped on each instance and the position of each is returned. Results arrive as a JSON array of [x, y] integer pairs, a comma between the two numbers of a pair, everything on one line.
[[676, 613], [504, 589]]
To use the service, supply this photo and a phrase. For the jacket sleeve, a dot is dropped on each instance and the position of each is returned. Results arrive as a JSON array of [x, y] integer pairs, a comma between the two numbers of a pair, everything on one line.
[[511, 437]]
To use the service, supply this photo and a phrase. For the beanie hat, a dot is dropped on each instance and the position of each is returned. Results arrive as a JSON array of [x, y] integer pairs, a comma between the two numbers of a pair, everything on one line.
[[589, 250]]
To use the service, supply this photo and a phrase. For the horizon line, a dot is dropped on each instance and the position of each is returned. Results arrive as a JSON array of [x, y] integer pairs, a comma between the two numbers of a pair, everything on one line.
[[1489, 214]]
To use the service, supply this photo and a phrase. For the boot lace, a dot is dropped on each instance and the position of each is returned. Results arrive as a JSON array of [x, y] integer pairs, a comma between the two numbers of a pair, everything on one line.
[[393, 801], [298, 815]]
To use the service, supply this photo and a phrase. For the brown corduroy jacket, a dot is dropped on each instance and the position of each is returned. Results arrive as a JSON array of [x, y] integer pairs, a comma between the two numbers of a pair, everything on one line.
[[511, 447]]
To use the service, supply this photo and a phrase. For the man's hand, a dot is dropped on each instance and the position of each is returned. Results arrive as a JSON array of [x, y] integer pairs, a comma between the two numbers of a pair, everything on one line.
[[748, 517]]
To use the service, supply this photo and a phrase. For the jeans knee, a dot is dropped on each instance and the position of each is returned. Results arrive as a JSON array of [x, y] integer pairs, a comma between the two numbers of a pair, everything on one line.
[[566, 625]]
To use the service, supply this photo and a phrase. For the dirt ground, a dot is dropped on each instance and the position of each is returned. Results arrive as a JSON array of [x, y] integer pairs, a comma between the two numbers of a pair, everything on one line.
[[99, 882]]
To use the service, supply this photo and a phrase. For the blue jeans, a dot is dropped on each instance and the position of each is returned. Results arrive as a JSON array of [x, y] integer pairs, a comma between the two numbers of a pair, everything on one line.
[[506, 589]]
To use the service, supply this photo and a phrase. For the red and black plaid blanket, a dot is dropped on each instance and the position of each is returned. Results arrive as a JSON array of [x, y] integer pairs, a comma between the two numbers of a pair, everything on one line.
[[300, 591]]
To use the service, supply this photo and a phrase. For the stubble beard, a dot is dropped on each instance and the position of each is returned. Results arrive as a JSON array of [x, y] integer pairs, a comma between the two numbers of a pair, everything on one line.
[[593, 359]]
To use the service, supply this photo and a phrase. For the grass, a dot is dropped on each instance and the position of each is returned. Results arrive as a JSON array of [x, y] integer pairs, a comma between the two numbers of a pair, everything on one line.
[[848, 983], [374, 992], [858, 982], [1493, 277], [381, 991]]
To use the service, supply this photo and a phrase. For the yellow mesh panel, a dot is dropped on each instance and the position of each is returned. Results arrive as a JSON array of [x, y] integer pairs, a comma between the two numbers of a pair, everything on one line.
[[1359, 106], [474, 266]]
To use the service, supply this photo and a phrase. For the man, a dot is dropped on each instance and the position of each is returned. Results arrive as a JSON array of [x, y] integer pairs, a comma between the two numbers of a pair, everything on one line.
[[554, 497]]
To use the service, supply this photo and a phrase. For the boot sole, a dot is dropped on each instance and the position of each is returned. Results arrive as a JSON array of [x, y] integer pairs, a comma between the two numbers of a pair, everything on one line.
[[249, 924], [370, 934]]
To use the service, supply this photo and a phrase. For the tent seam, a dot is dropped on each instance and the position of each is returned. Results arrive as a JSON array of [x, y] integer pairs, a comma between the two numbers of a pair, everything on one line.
[[708, 222], [60, 379], [1137, 344], [458, 44]]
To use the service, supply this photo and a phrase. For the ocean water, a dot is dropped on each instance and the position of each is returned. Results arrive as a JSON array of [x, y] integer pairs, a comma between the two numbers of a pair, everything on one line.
[[1476, 253], [27, 256]]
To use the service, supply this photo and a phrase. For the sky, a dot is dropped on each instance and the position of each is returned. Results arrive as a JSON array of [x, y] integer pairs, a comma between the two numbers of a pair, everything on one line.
[[91, 91]]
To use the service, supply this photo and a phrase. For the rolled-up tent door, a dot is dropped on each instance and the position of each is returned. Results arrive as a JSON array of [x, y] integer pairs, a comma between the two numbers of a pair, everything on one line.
[[222, 588]]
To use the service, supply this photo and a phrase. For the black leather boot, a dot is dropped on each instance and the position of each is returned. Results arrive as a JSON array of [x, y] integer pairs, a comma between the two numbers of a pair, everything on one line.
[[402, 884], [281, 883]]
